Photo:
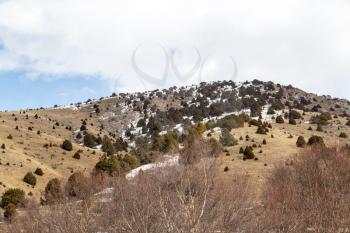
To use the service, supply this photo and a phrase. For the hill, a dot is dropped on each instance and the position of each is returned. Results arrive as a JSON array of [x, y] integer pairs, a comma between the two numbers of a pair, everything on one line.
[[151, 126]]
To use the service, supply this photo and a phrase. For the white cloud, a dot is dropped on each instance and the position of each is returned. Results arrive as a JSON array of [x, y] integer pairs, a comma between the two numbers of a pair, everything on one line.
[[302, 42]]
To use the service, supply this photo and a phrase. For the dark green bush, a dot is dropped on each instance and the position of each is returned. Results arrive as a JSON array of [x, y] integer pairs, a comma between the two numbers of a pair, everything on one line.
[[248, 153], [90, 140], [226, 138], [67, 145], [77, 155], [321, 119], [29, 178], [120, 145], [292, 121], [301, 142], [109, 164], [279, 119], [277, 105], [255, 122], [79, 136], [343, 135], [348, 123], [39, 172], [316, 140], [13, 196], [107, 146], [262, 130], [293, 114], [228, 122], [165, 143], [319, 128], [129, 162]]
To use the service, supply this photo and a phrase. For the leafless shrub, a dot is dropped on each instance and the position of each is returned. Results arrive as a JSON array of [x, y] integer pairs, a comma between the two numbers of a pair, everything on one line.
[[181, 199], [198, 148], [310, 195]]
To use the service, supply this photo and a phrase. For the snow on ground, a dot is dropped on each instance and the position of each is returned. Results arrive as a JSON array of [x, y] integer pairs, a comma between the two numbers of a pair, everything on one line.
[[179, 128], [237, 113], [172, 161], [163, 133], [72, 107]]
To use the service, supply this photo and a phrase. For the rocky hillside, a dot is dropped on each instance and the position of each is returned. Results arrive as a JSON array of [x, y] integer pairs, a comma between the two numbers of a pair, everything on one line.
[[150, 124]]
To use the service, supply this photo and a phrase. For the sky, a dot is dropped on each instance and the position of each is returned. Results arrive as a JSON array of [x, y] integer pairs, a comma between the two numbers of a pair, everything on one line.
[[64, 51]]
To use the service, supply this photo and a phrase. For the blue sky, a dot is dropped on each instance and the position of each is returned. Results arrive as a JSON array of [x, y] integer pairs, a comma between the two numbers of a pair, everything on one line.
[[48, 48], [18, 92]]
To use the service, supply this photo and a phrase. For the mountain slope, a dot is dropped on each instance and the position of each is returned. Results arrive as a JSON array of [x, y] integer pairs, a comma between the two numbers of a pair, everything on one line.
[[139, 118]]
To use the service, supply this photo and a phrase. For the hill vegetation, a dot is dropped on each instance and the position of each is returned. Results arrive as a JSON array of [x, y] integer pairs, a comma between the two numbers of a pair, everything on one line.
[[215, 157]]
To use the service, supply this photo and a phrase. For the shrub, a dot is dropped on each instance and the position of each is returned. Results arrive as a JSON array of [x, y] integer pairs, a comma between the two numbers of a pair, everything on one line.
[[10, 211], [165, 143], [343, 135], [107, 146], [3, 146], [129, 162], [316, 140], [229, 122], [311, 194], [292, 121], [241, 150], [89, 140], [226, 169], [120, 145], [77, 155], [67, 145], [29, 178], [53, 191], [277, 105], [9, 137], [39, 172], [79, 136], [321, 119], [226, 138], [294, 114], [78, 185], [279, 119], [348, 123], [110, 165], [198, 148], [310, 128], [261, 130], [255, 122], [200, 127], [13, 196], [319, 128], [301, 142], [248, 153]]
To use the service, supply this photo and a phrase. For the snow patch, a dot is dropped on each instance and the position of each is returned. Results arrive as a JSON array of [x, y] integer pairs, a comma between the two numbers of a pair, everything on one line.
[[167, 163]]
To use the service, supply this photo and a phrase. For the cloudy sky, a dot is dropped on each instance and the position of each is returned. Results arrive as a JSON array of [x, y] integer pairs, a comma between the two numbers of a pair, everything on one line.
[[63, 51]]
